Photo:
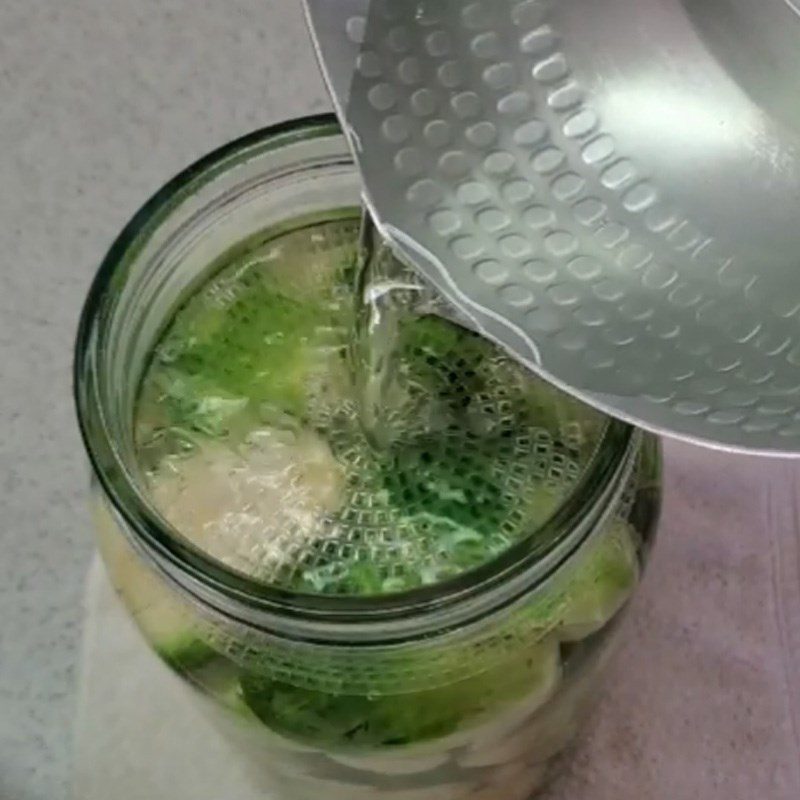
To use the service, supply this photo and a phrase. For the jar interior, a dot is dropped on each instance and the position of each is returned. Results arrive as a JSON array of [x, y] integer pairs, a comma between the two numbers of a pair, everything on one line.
[[165, 257], [266, 193]]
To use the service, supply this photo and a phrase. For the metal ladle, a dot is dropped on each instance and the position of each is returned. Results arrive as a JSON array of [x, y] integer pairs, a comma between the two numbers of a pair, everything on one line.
[[610, 189]]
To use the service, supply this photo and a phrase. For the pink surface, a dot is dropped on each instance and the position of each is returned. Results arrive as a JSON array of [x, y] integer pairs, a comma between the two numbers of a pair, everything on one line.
[[704, 699]]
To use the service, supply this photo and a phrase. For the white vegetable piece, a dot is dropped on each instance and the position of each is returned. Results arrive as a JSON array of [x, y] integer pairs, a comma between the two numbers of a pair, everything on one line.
[[315, 789], [163, 616], [250, 507], [399, 764], [496, 743]]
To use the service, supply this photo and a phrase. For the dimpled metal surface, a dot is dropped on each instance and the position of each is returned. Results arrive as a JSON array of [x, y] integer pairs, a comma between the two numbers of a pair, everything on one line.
[[611, 190]]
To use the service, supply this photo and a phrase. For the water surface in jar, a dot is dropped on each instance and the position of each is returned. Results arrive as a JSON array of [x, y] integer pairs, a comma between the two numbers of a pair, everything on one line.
[[307, 421]]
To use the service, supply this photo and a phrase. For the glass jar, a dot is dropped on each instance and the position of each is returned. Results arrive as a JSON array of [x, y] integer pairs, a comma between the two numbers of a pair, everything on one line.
[[466, 689]]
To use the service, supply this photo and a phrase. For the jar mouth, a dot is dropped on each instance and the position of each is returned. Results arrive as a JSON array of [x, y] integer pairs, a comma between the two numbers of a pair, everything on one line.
[[497, 583]]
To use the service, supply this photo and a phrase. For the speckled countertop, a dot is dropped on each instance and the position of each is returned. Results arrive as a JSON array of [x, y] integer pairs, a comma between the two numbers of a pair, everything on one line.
[[100, 102]]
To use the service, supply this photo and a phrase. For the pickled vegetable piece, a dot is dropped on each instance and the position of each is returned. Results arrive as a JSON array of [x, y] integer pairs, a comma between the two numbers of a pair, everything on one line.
[[584, 598], [400, 719], [602, 584], [246, 505]]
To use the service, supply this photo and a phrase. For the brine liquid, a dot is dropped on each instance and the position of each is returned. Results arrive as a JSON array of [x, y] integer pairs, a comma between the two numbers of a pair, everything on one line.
[[388, 295], [306, 420], [385, 294]]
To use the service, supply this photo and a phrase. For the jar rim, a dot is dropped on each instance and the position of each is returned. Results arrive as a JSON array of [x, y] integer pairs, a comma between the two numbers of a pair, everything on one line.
[[469, 594]]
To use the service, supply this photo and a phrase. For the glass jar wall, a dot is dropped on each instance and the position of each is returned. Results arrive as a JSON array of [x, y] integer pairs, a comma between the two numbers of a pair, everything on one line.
[[466, 685]]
